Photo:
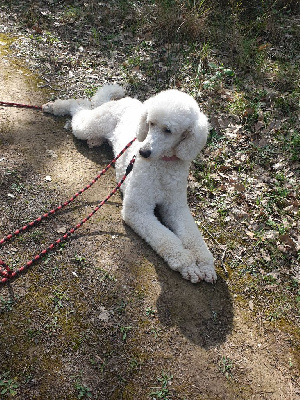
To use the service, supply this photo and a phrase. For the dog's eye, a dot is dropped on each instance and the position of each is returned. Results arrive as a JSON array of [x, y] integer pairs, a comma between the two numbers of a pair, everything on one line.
[[151, 123], [167, 130]]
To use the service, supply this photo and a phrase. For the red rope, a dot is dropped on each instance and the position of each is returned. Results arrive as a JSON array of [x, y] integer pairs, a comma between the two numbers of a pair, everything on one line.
[[8, 104], [8, 274]]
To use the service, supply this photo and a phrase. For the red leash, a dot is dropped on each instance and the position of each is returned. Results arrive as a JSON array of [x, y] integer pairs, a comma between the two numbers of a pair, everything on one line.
[[6, 103], [8, 274]]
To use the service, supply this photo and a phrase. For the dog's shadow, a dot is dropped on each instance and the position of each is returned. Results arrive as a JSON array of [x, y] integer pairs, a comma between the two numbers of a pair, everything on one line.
[[203, 312], [99, 155]]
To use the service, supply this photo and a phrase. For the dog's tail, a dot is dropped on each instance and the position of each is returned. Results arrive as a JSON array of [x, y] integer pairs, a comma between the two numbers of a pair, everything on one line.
[[107, 93]]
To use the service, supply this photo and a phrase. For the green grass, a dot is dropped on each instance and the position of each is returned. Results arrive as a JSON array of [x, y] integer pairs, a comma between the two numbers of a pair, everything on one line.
[[83, 392], [8, 386], [226, 366], [125, 331], [162, 390], [6, 304]]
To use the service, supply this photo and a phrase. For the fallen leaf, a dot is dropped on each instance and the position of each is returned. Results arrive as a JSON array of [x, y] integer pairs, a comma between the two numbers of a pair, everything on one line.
[[263, 46], [37, 29], [287, 240], [250, 234], [271, 235], [239, 187], [270, 287], [249, 111], [259, 125]]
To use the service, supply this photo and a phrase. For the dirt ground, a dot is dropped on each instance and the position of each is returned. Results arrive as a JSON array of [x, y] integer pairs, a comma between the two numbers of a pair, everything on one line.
[[103, 317]]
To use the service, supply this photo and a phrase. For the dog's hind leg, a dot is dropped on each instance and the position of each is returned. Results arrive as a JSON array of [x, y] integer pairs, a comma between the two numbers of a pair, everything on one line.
[[95, 125]]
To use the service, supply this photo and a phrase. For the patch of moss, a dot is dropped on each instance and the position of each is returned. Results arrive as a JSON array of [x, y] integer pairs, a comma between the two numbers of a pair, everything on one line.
[[32, 80]]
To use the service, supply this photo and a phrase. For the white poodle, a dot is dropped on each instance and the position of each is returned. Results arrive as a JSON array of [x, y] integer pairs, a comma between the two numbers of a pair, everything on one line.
[[171, 131]]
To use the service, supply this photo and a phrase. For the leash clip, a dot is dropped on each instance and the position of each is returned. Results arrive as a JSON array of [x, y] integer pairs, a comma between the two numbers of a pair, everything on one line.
[[130, 166]]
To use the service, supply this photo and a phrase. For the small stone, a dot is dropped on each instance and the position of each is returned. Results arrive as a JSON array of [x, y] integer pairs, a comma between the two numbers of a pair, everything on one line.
[[61, 229], [51, 153], [251, 305], [104, 314]]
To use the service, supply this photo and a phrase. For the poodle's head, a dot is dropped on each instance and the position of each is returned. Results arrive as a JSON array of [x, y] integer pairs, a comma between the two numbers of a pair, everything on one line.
[[172, 126]]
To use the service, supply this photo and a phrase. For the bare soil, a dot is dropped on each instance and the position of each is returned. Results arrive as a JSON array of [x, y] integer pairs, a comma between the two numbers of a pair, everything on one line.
[[103, 316]]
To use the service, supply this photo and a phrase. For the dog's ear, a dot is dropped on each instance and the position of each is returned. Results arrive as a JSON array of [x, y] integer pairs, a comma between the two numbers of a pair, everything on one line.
[[142, 129], [193, 141]]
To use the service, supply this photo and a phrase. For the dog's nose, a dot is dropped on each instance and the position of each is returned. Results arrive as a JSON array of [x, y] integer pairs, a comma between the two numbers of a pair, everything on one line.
[[145, 153]]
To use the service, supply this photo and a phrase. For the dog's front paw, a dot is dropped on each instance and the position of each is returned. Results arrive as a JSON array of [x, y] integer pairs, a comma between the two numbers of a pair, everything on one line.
[[48, 108], [209, 272], [192, 273], [196, 273]]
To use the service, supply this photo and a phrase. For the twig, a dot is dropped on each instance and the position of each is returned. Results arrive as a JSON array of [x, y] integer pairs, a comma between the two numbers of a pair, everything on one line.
[[222, 261]]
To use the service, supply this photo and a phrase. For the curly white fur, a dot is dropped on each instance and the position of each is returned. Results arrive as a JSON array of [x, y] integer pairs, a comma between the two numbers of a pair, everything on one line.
[[171, 131]]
